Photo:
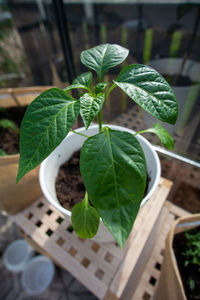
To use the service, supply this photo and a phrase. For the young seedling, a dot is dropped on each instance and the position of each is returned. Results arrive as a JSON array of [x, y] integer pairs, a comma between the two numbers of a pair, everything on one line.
[[112, 163], [7, 124]]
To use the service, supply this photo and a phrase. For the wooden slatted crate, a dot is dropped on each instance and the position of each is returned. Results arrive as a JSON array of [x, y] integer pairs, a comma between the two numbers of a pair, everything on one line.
[[104, 269]]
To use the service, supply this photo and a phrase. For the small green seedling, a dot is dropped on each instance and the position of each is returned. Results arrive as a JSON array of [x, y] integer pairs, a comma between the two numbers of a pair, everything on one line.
[[8, 124], [112, 163], [192, 252]]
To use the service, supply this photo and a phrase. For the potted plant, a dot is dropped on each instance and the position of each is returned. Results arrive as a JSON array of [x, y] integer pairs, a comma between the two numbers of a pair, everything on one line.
[[14, 198], [181, 267], [112, 161]]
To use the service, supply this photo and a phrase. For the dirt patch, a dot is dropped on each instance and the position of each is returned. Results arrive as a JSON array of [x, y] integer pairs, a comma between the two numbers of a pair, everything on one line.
[[9, 139], [69, 184], [70, 188], [188, 272]]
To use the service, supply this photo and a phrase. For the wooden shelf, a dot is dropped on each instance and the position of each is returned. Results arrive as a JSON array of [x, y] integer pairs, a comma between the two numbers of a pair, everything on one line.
[[105, 269]]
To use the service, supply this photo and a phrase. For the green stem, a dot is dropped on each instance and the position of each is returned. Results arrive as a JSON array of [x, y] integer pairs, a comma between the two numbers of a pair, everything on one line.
[[142, 131], [86, 136], [86, 198], [110, 89], [99, 78], [100, 120]]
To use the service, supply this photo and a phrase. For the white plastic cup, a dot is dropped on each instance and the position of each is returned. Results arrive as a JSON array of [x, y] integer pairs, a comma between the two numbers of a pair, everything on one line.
[[37, 275], [17, 255]]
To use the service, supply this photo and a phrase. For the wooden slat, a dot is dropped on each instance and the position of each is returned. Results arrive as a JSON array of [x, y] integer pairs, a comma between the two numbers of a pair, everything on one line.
[[169, 213], [103, 268], [137, 241]]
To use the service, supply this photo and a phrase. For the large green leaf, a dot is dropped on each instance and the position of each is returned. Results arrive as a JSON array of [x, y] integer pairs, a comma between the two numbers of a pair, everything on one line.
[[164, 136], [84, 79], [90, 107], [113, 169], [85, 219], [46, 122], [103, 57], [150, 90]]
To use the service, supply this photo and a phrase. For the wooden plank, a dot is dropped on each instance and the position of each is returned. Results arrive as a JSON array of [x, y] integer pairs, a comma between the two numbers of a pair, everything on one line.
[[153, 266], [137, 242], [104, 268]]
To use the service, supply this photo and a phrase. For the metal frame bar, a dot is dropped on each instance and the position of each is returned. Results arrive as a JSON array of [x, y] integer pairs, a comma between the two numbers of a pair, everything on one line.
[[177, 156], [61, 20]]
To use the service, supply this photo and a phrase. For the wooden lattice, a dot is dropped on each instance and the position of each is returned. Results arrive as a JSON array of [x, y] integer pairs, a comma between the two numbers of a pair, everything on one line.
[[103, 268]]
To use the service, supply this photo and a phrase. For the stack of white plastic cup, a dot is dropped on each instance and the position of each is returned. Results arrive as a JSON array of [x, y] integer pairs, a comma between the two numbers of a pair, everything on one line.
[[37, 272], [37, 275], [17, 255]]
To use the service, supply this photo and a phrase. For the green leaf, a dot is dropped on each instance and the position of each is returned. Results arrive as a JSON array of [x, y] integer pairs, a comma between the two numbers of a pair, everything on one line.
[[149, 90], [2, 152], [75, 86], [84, 79], [8, 124], [85, 219], [90, 107], [103, 57], [164, 136], [113, 169], [46, 122], [99, 88]]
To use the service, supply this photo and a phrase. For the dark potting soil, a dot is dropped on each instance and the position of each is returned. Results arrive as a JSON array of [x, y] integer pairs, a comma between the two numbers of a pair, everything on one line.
[[9, 139], [178, 80], [70, 188], [191, 271]]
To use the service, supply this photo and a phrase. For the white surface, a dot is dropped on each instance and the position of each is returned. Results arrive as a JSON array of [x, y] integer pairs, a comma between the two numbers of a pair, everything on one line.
[[17, 255], [73, 142], [37, 275]]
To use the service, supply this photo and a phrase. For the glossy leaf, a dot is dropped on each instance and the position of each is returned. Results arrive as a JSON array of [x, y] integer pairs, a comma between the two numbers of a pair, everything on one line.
[[75, 86], [46, 122], [149, 90], [113, 169], [90, 107], [100, 87], [85, 219], [83, 79], [103, 57], [164, 136]]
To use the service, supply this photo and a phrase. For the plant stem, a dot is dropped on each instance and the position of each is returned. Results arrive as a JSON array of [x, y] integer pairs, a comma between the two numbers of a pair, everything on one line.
[[86, 136], [110, 89], [142, 131], [100, 120], [86, 198]]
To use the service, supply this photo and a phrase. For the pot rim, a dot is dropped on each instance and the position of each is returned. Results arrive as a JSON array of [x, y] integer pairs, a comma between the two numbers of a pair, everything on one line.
[[173, 60], [63, 210]]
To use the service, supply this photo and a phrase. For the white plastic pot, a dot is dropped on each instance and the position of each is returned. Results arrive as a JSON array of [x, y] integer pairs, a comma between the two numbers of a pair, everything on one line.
[[37, 275], [17, 255], [186, 95], [73, 142]]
